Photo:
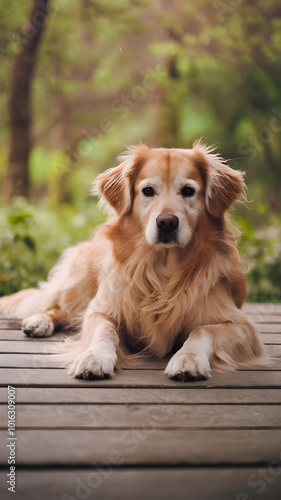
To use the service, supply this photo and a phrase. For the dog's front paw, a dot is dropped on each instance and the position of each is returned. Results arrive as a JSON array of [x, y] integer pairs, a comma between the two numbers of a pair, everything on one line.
[[38, 325], [188, 367], [91, 365]]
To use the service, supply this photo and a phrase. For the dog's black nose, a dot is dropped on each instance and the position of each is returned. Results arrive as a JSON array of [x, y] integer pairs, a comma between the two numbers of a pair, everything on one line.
[[167, 222]]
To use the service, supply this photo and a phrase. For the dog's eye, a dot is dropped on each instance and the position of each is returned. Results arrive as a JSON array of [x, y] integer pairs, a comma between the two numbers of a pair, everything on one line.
[[187, 191], [148, 191]]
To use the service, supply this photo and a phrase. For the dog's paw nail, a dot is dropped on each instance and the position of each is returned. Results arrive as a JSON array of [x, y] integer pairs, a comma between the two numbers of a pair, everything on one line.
[[28, 333], [187, 377], [88, 375]]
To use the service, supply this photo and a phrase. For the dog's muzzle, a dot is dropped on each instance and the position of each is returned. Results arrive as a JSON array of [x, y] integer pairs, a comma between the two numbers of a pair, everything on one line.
[[167, 225]]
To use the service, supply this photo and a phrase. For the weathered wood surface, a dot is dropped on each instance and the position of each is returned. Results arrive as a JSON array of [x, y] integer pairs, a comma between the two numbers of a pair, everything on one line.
[[160, 416], [120, 396], [146, 446], [54, 377], [140, 434], [114, 396], [10, 334], [104, 483]]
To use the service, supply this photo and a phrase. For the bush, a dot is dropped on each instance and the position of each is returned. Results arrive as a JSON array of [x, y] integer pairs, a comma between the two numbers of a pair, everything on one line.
[[261, 251], [33, 237]]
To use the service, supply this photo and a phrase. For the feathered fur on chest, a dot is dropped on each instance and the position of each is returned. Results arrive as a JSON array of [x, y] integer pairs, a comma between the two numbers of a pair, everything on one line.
[[157, 295]]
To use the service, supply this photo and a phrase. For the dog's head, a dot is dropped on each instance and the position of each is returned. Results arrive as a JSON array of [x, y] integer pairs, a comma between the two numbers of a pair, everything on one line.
[[167, 190]]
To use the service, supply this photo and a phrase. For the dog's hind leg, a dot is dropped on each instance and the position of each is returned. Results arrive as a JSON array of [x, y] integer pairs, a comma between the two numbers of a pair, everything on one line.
[[21, 304], [43, 324], [67, 290]]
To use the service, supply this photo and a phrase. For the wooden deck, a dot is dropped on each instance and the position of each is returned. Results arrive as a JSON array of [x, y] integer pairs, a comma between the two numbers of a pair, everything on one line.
[[141, 435]]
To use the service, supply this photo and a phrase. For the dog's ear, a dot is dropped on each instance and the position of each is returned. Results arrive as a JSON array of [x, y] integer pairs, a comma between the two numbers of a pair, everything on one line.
[[223, 185], [116, 185]]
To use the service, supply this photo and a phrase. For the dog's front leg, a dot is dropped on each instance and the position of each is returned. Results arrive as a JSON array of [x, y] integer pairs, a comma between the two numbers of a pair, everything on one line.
[[97, 348]]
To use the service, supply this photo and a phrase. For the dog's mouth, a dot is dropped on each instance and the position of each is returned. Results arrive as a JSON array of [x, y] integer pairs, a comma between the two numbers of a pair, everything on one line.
[[167, 229], [167, 238]]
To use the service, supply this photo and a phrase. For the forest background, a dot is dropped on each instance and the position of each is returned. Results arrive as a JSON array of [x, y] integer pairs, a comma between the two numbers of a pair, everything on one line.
[[82, 79]]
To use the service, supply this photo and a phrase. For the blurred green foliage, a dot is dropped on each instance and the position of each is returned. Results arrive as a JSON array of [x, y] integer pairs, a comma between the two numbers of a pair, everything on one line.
[[32, 239], [261, 254], [116, 72]]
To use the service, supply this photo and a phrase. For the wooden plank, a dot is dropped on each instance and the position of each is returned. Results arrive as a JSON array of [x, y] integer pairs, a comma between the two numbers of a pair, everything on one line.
[[29, 361], [10, 324], [270, 338], [144, 447], [190, 395], [273, 350], [160, 484], [272, 328], [259, 308], [28, 347], [265, 318], [18, 335], [144, 416], [52, 377], [46, 360]]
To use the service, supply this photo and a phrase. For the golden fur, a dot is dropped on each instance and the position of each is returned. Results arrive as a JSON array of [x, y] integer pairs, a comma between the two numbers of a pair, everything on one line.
[[136, 287]]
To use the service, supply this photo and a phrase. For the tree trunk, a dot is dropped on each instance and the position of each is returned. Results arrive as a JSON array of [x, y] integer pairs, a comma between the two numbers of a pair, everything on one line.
[[16, 182], [170, 107]]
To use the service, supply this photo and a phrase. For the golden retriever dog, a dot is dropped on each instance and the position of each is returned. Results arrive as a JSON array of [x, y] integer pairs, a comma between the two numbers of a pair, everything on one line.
[[162, 275]]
